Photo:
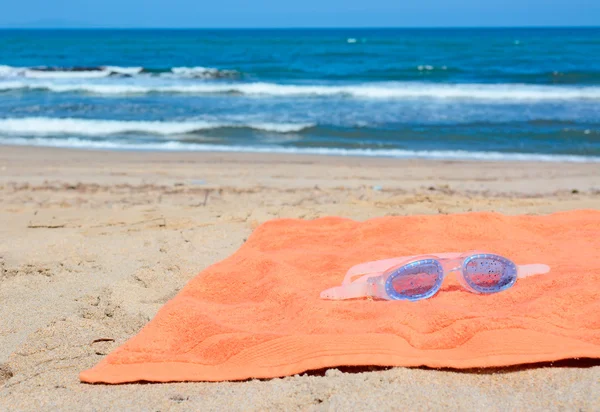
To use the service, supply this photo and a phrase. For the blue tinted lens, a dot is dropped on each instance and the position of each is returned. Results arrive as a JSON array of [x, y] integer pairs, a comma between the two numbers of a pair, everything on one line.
[[417, 280], [489, 273]]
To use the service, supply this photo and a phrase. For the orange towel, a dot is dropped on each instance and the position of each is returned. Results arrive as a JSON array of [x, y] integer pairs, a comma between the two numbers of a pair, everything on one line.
[[257, 314]]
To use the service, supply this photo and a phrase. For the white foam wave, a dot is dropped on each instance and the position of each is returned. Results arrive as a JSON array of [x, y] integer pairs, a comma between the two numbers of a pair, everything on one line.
[[428, 67], [73, 73], [45, 126], [58, 74], [202, 72], [124, 70], [395, 90], [8, 71], [394, 153], [107, 71]]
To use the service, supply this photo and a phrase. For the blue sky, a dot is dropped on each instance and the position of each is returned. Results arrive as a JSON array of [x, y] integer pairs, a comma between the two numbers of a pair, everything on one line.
[[302, 13]]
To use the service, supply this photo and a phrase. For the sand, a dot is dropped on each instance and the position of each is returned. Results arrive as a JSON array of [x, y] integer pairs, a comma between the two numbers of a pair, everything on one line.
[[93, 243]]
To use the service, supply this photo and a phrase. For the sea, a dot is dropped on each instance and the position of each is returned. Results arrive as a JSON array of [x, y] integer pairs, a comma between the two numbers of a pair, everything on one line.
[[483, 94]]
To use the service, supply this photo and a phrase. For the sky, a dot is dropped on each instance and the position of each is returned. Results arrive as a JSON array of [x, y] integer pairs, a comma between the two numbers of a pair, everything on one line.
[[302, 13]]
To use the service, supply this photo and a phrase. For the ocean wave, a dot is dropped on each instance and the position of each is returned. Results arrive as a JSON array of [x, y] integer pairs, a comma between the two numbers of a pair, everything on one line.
[[203, 72], [45, 126], [386, 90], [393, 153], [554, 77], [97, 72], [429, 68], [390, 74]]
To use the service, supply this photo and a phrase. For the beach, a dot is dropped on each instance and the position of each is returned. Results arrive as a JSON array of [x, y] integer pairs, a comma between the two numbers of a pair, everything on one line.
[[94, 243]]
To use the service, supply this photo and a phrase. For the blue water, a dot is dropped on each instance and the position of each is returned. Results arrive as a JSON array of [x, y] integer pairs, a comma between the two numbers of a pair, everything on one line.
[[464, 93]]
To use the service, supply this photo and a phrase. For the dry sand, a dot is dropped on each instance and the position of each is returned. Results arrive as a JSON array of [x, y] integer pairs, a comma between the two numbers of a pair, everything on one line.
[[92, 244]]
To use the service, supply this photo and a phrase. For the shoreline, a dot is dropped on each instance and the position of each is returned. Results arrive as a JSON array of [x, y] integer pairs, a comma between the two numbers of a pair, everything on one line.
[[397, 154]]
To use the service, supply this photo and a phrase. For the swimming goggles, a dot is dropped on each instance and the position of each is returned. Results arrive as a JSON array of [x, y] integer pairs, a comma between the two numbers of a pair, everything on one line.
[[420, 277]]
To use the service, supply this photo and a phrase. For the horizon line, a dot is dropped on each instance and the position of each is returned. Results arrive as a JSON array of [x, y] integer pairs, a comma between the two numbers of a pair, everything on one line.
[[304, 27]]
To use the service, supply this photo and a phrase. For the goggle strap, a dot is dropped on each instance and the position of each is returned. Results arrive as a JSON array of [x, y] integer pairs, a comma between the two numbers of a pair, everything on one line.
[[351, 291], [532, 269]]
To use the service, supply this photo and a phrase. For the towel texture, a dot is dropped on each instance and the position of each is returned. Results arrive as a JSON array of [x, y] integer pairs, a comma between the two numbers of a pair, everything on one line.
[[257, 314]]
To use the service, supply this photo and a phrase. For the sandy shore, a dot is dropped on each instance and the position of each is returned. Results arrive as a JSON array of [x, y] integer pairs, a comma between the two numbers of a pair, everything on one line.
[[92, 244]]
